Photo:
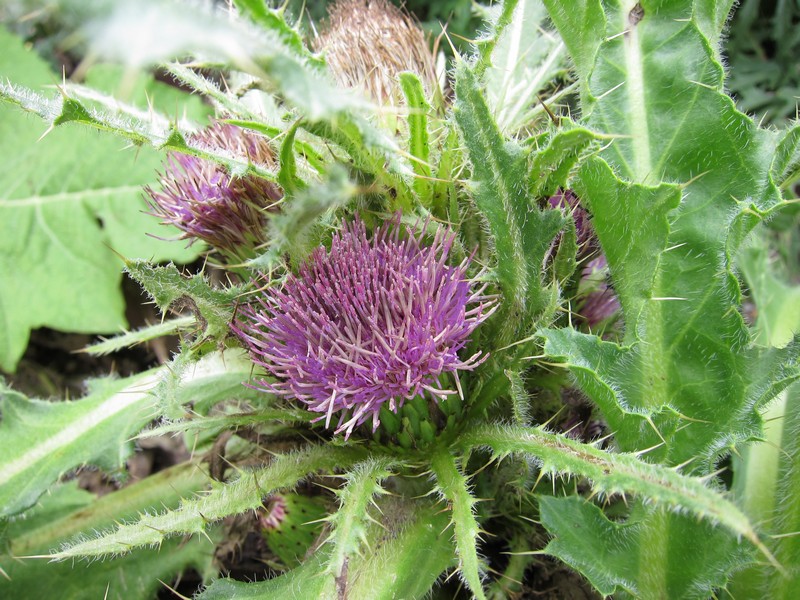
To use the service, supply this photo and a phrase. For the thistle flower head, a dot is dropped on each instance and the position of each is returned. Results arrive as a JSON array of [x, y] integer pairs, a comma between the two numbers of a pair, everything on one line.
[[367, 43], [206, 202], [372, 322]]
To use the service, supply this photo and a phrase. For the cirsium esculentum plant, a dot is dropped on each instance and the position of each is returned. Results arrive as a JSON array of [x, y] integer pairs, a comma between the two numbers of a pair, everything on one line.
[[397, 322]]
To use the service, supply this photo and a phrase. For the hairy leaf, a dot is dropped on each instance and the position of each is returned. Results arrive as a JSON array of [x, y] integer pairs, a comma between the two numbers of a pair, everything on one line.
[[409, 550], [43, 440], [522, 232], [453, 487], [145, 334], [212, 307], [67, 510], [193, 516], [615, 473], [583, 534], [685, 365], [350, 522]]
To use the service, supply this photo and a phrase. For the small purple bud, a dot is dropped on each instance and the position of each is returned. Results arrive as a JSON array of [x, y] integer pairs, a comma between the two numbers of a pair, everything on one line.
[[601, 303], [204, 201], [274, 512], [372, 321], [568, 200]]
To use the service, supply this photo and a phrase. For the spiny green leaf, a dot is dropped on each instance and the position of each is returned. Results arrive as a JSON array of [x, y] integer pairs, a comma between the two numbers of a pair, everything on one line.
[[555, 156], [582, 534], [486, 44], [309, 580], [582, 25], [350, 522], [409, 550], [454, 488], [522, 232], [242, 494], [615, 473], [212, 307], [67, 511], [128, 122], [145, 334], [686, 339], [43, 440]]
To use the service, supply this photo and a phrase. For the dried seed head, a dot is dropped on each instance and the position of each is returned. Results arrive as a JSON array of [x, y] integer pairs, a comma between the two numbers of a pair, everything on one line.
[[370, 322], [204, 201], [367, 43]]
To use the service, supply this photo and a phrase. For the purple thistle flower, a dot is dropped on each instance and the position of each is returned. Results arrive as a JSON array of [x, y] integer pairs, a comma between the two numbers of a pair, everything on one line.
[[204, 201], [368, 323]]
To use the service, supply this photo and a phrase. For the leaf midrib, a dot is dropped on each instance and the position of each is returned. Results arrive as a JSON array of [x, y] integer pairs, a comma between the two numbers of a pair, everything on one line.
[[38, 200]]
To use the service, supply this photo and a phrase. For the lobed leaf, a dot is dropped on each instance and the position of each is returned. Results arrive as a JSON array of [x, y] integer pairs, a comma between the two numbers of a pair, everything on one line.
[[582, 533], [212, 307]]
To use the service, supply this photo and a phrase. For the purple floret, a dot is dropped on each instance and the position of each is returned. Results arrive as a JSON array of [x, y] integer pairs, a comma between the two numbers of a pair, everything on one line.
[[370, 322]]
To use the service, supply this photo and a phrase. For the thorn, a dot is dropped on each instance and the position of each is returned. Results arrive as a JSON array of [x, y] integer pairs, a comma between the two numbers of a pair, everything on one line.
[[653, 425], [46, 133], [651, 448], [171, 589]]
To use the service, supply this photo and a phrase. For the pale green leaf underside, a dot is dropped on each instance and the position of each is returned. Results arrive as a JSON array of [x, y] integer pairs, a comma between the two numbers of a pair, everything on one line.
[[43, 440]]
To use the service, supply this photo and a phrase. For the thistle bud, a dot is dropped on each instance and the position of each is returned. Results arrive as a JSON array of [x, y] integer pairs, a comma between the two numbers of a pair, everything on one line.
[[205, 202]]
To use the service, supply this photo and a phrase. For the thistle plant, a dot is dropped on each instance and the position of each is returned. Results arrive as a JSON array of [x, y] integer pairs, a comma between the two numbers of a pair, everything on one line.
[[398, 340]]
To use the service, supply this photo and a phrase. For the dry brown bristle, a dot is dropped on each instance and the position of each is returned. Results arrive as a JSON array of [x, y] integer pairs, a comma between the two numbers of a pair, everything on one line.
[[368, 42]]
